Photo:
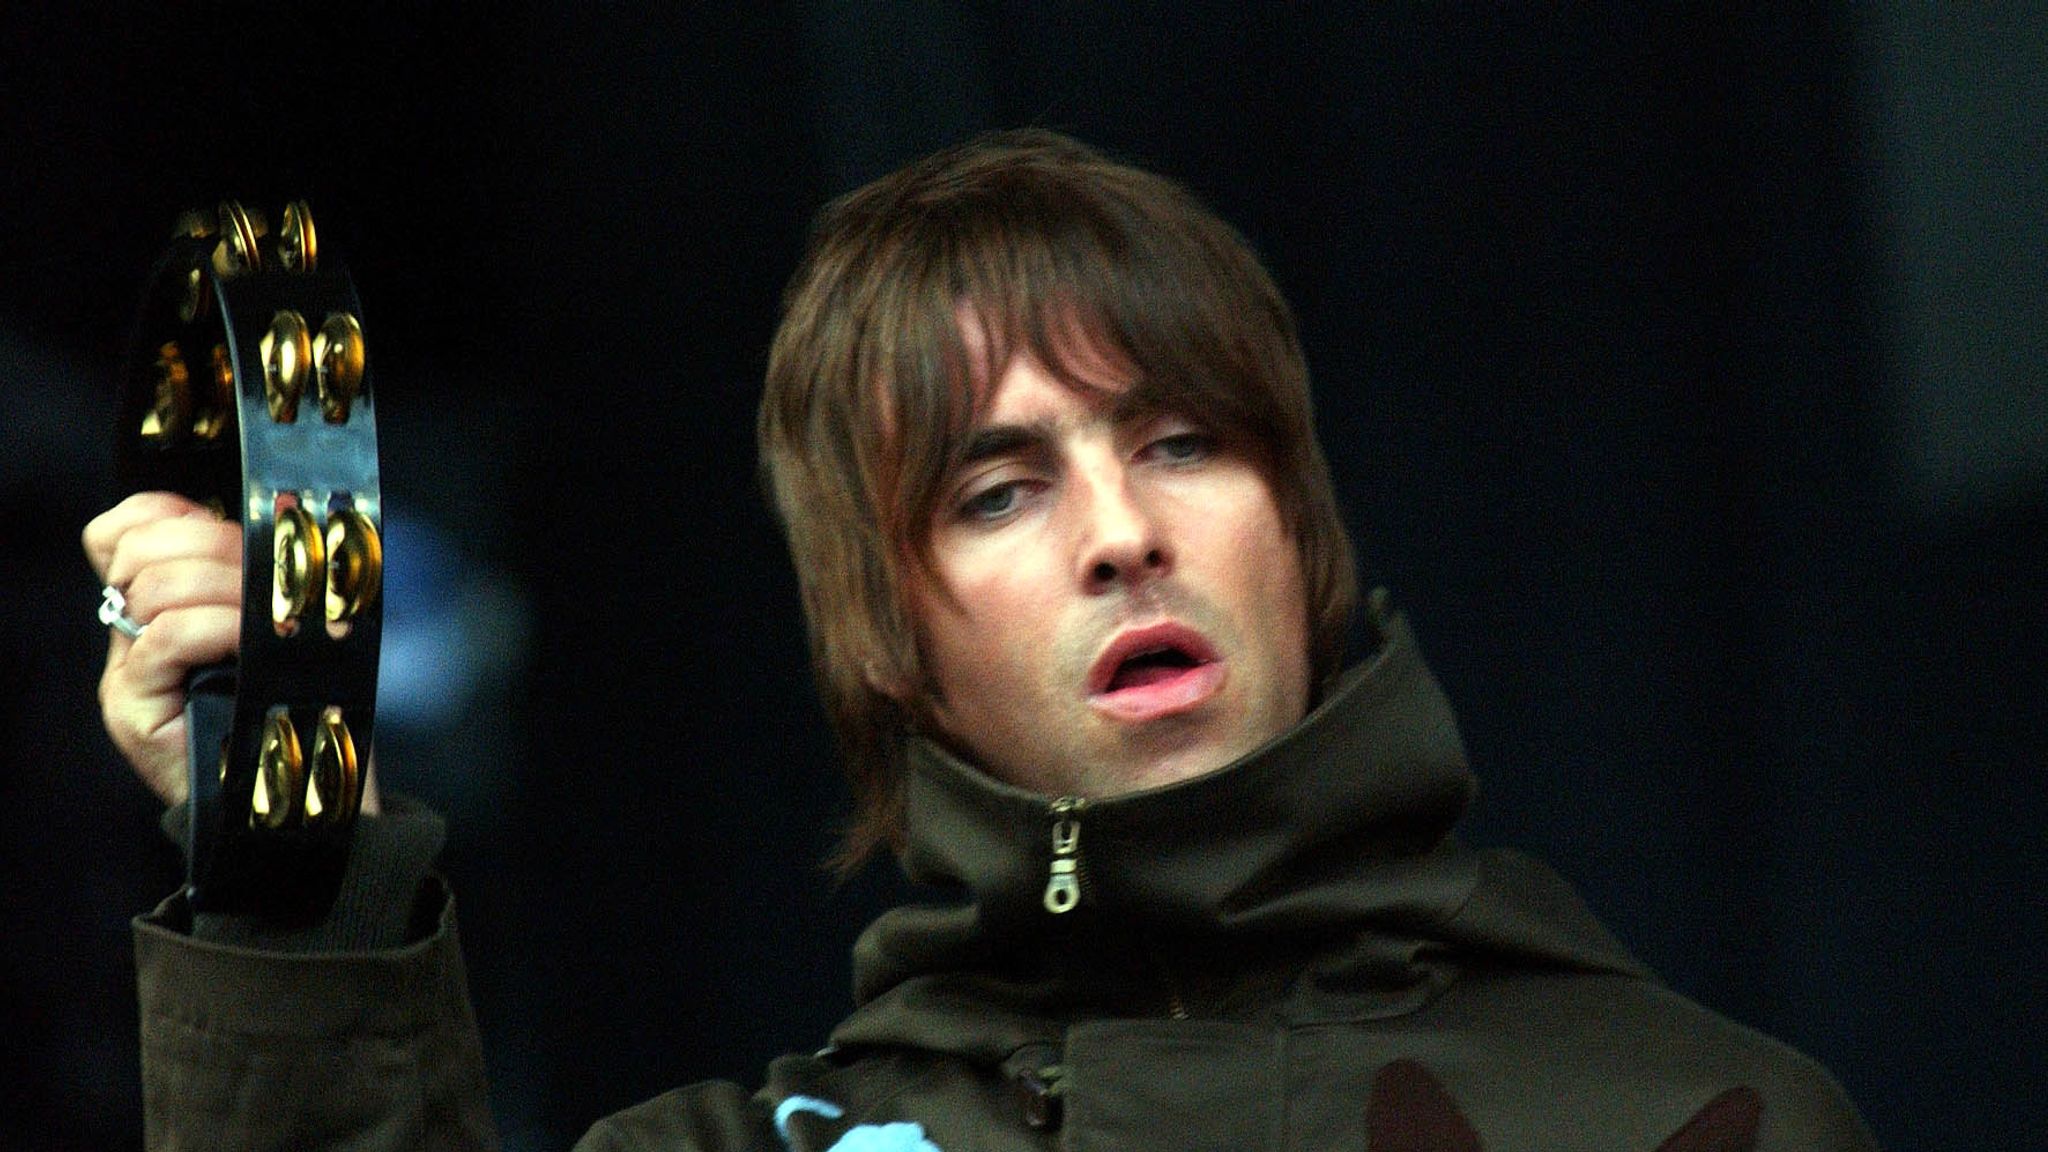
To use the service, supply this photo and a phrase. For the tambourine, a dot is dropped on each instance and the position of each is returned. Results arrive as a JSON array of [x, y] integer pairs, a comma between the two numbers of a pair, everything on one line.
[[248, 388]]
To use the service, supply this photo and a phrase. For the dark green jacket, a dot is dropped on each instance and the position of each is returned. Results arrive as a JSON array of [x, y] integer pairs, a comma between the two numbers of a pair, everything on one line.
[[1291, 953]]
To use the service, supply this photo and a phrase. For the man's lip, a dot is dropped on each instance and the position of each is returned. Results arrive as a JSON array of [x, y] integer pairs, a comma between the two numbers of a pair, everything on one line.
[[1124, 645]]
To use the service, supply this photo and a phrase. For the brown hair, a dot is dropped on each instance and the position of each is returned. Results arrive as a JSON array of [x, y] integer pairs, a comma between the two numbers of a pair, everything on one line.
[[1057, 252]]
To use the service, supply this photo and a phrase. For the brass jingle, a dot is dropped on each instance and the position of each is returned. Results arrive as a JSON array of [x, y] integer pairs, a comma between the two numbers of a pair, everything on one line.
[[169, 416], [338, 365], [194, 301], [331, 786], [280, 773], [192, 304], [287, 351], [298, 247], [240, 230], [355, 564], [214, 412], [297, 555]]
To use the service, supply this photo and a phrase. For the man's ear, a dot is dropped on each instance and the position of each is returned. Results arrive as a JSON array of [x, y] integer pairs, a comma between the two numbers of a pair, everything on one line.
[[919, 706], [886, 681]]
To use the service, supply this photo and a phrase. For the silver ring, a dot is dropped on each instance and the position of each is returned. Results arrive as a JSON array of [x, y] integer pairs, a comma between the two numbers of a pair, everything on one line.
[[114, 613]]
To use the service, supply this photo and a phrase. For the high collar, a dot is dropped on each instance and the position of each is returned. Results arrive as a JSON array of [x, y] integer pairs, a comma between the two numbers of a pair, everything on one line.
[[1327, 848], [1378, 766]]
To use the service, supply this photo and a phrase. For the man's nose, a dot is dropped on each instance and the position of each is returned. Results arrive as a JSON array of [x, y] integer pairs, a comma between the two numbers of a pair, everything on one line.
[[1123, 543]]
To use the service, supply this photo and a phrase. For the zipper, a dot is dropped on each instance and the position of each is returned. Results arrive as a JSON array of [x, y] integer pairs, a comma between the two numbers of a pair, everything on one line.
[[1063, 883], [1063, 888]]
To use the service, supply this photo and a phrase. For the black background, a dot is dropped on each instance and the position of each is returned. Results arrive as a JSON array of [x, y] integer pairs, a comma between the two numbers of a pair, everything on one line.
[[1604, 313]]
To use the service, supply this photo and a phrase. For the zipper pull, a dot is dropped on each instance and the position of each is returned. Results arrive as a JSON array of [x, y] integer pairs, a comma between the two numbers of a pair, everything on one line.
[[1063, 886], [1040, 1094]]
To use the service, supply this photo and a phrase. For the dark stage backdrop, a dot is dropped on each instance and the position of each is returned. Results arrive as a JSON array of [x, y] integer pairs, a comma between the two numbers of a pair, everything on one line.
[[1682, 375]]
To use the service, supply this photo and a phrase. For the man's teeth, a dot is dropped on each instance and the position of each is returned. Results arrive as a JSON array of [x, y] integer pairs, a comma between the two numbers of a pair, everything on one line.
[[1150, 666]]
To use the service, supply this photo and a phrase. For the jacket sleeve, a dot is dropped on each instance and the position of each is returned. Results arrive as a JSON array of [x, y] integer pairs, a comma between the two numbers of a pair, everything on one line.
[[354, 1035]]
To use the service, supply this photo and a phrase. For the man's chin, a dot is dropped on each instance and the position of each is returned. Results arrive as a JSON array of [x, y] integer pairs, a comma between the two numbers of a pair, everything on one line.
[[1160, 767]]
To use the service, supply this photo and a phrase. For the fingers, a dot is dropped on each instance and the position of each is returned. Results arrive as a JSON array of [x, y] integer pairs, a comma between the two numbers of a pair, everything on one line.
[[180, 567], [176, 642], [104, 533], [142, 692], [184, 582], [197, 535]]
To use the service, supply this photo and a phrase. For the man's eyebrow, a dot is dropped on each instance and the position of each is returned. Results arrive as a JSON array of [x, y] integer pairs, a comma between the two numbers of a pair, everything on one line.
[[1007, 440]]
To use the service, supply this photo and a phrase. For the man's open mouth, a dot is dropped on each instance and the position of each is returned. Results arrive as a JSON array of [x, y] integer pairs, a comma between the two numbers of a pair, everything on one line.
[[1154, 671], [1152, 666]]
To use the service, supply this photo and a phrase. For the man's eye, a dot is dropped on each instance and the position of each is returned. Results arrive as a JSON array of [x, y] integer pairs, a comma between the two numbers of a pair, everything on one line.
[[1183, 447], [992, 503]]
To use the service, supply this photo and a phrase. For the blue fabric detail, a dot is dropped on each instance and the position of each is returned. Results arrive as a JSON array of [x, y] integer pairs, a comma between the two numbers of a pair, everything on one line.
[[795, 1104], [896, 1137]]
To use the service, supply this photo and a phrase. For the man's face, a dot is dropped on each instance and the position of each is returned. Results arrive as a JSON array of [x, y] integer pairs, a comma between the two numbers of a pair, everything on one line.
[[1114, 602]]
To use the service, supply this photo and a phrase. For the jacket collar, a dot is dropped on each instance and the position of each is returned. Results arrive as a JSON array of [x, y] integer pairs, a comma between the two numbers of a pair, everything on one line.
[[1377, 768], [1327, 850]]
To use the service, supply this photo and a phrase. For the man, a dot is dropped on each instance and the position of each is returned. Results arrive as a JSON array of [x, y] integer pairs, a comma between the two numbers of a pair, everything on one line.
[[1039, 430]]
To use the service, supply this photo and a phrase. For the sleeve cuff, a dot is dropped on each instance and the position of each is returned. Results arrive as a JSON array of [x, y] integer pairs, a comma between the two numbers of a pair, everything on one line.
[[383, 902]]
